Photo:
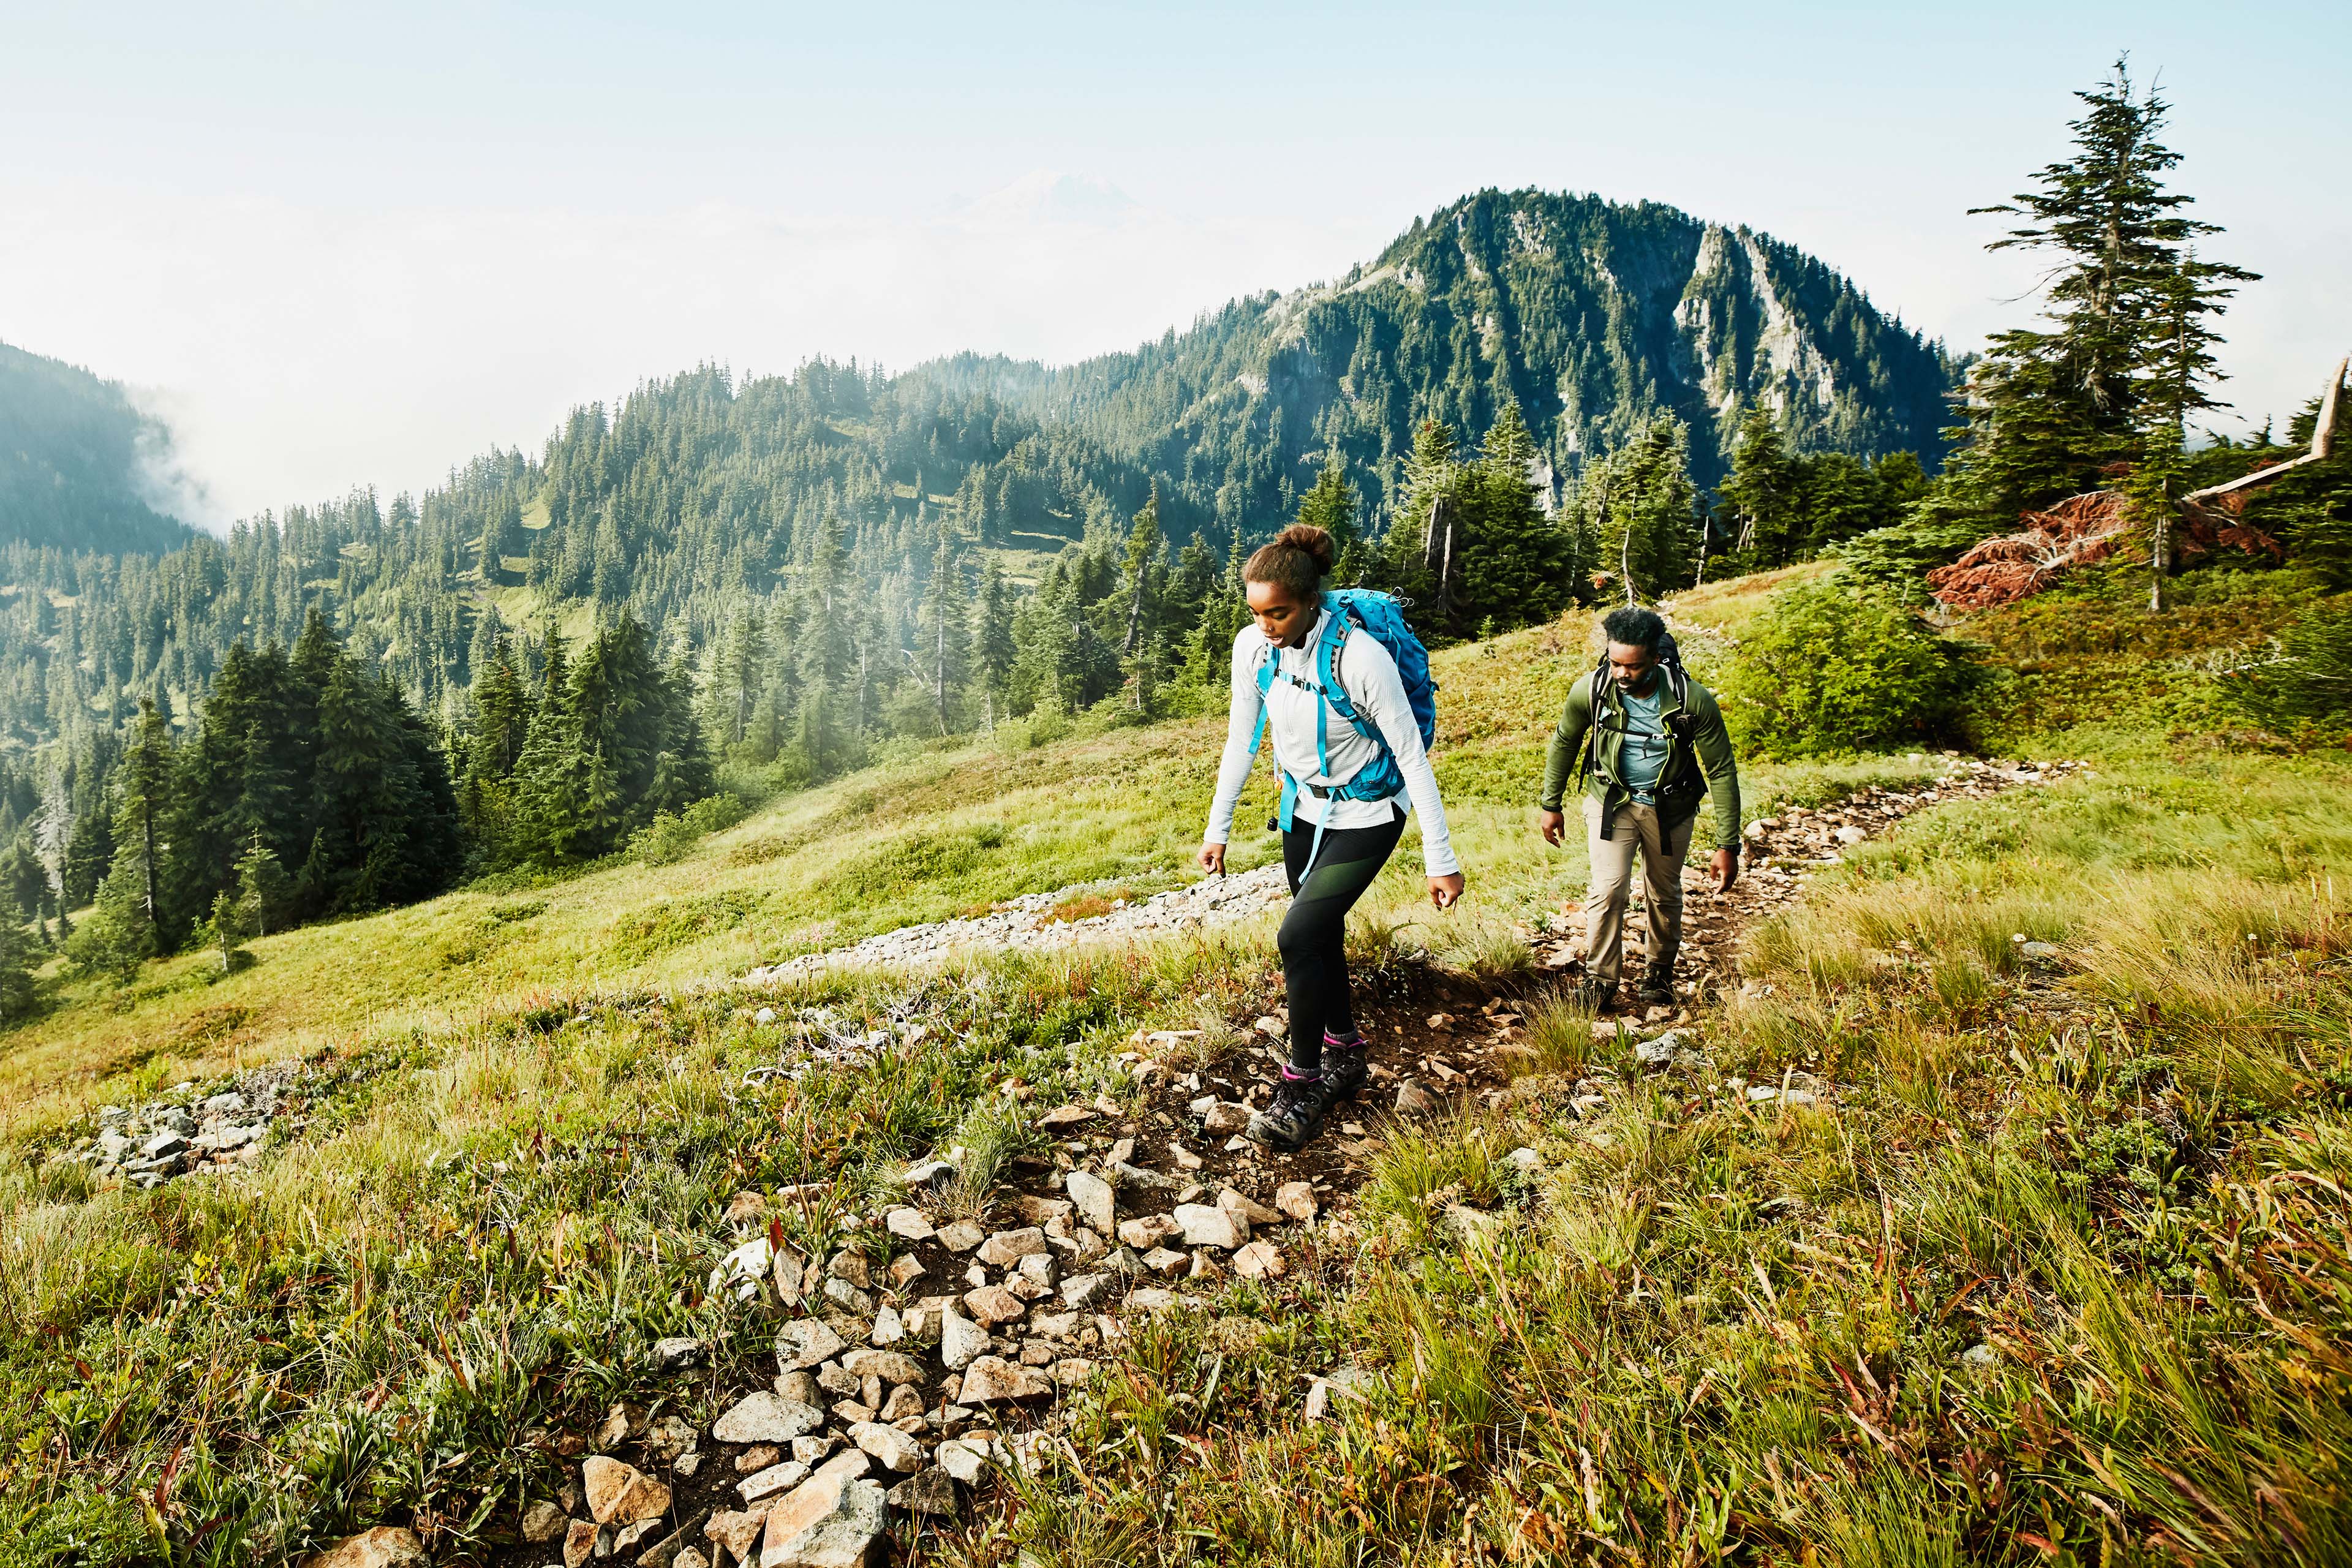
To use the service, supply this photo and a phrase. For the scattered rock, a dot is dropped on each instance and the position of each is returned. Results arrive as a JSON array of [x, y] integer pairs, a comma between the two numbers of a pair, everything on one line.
[[1249, 1208], [1205, 1226], [1525, 1158], [621, 1494], [905, 1270], [830, 1520], [931, 1492], [1149, 1231], [908, 1224], [1081, 1291], [931, 1176], [689, 1557], [762, 1455], [772, 1479], [1297, 1199], [960, 1236], [889, 1366], [961, 1341], [668, 1437], [1137, 1176], [1062, 1116], [620, 1423], [1412, 1100], [806, 1343], [1225, 1119], [765, 1417], [665, 1552], [994, 1304], [1009, 1247], [848, 1297], [894, 1449], [1259, 1261], [992, 1380], [741, 1270], [542, 1523], [385, 1546], [579, 1543], [1094, 1199], [963, 1460], [671, 1354], [736, 1535], [1152, 1299]]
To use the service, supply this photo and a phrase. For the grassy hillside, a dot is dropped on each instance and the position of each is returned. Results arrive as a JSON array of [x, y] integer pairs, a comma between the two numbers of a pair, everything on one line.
[[2055, 1265]]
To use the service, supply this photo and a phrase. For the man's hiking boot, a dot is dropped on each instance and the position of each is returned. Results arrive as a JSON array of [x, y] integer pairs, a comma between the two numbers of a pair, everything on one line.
[[1343, 1073], [1657, 989], [1596, 996], [1295, 1115]]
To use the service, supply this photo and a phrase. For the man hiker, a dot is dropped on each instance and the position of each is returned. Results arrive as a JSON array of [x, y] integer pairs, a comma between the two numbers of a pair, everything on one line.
[[1656, 743]]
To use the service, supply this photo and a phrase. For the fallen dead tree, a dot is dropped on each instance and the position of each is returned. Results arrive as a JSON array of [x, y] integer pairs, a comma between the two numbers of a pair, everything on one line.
[[2095, 525]]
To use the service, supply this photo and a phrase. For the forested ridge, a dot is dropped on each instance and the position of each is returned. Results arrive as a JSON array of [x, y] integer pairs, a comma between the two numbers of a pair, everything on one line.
[[1524, 402], [1593, 317], [77, 461]]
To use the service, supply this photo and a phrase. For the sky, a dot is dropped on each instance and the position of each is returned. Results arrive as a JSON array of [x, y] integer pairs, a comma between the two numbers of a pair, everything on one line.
[[336, 245]]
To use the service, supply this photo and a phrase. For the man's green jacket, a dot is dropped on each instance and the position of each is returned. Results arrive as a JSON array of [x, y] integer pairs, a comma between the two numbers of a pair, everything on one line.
[[1696, 744]]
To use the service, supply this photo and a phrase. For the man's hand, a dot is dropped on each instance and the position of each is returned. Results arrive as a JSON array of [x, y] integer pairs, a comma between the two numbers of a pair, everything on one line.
[[1213, 858], [1445, 892], [1552, 825], [1726, 868]]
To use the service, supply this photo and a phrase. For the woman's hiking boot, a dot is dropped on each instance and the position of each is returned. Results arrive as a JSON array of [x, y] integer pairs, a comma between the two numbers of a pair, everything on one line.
[[1295, 1115], [1343, 1069]]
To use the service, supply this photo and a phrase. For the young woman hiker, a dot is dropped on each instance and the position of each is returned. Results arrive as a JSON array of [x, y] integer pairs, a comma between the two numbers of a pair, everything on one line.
[[1334, 845]]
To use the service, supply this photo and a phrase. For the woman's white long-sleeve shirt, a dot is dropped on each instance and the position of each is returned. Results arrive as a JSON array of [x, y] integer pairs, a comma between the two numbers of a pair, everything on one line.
[[1370, 678]]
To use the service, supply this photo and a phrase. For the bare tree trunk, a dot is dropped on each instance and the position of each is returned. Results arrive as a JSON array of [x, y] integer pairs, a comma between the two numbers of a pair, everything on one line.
[[939, 671], [1625, 566], [2159, 555], [1446, 571]]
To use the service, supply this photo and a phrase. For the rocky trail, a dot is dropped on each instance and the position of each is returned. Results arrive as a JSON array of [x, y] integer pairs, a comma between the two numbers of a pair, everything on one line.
[[895, 1385], [937, 1335]]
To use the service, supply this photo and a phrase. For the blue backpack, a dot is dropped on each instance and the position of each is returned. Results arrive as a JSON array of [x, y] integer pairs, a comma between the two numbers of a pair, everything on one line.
[[1381, 618]]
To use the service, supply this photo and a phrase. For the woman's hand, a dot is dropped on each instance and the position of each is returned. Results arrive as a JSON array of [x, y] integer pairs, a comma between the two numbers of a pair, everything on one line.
[[1212, 859], [1445, 891]]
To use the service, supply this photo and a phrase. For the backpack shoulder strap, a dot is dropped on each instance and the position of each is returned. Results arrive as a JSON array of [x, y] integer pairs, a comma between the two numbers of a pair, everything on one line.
[[1328, 648], [1266, 666]]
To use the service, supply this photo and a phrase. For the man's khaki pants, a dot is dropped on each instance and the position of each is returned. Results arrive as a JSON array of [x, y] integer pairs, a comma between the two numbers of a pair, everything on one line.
[[1636, 827]]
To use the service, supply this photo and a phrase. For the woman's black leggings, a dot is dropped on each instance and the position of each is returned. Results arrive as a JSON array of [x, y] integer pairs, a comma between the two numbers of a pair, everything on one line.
[[1313, 939]]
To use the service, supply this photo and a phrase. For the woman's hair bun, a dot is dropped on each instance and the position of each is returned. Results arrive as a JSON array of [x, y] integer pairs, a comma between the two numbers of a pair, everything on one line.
[[1298, 559], [1313, 541]]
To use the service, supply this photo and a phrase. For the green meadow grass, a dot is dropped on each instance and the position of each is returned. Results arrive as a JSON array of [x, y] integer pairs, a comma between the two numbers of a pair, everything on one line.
[[2055, 1269]]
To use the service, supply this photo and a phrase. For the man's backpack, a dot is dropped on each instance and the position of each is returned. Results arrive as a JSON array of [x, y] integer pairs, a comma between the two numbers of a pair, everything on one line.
[[1677, 679], [1379, 616]]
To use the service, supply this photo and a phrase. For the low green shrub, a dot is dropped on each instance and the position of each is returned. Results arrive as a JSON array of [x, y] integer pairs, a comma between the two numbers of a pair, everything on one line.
[[672, 834], [2308, 686], [1826, 670]]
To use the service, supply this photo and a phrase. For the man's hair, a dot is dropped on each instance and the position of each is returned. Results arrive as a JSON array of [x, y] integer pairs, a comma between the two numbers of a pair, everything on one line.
[[1635, 627]]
